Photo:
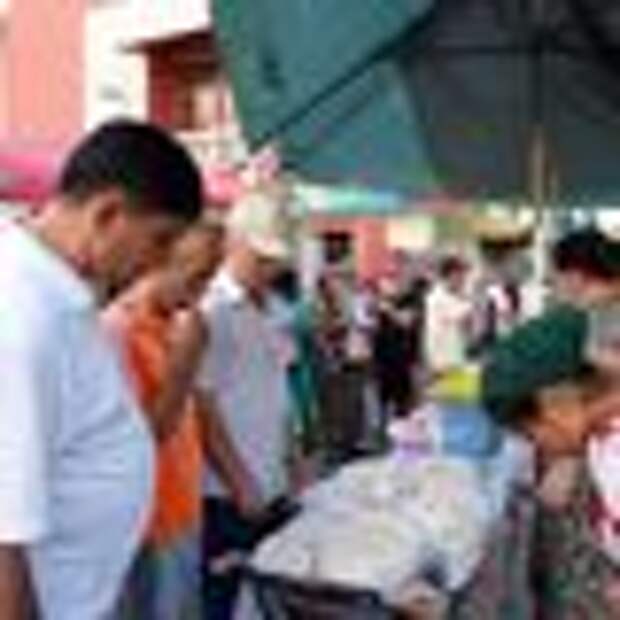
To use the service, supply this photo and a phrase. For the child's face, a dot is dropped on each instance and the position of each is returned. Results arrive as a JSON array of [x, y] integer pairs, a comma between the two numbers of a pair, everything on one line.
[[569, 414]]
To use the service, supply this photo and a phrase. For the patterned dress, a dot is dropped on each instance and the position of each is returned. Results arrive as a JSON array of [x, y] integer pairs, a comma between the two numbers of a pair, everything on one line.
[[501, 589], [574, 569]]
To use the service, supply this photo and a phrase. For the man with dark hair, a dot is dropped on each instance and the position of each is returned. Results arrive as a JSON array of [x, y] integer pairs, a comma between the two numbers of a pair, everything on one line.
[[582, 266], [587, 276], [137, 172], [577, 249], [243, 383], [453, 267], [75, 456]]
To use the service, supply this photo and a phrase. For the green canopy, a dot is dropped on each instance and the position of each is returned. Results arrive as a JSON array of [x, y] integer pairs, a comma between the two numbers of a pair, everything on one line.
[[305, 75], [471, 97]]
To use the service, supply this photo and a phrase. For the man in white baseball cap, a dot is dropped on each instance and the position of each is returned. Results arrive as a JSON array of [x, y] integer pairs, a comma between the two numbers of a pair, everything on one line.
[[263, 221], [244, 380]]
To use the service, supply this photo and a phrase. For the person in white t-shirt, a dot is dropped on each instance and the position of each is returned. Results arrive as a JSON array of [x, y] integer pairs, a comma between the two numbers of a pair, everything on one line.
[[76, 460], [448, 318], [244, 379]]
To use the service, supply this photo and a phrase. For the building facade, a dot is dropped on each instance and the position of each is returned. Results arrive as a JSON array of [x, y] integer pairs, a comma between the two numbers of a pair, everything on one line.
[[41, 70], [4, 68], [68, 65], [157, 59]]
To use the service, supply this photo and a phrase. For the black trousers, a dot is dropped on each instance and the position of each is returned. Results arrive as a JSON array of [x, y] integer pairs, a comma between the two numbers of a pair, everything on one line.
[[226, 530]]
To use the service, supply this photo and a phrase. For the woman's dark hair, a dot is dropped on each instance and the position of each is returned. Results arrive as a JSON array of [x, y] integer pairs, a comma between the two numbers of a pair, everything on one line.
[[155, 171]]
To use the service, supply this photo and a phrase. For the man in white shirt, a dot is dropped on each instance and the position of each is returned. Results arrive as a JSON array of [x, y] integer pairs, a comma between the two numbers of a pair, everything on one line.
[[244, 378], [75, 457], [447, 319]]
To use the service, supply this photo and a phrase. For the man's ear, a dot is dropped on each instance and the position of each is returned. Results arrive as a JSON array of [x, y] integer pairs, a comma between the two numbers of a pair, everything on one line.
[[106, 208]]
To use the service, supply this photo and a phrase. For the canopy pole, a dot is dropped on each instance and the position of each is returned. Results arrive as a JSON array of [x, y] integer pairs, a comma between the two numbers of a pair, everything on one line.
[[539, 172], [539, 169], [538, 192]]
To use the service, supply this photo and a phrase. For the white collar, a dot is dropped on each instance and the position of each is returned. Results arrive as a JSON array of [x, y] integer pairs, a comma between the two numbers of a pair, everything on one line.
[[226, 284]]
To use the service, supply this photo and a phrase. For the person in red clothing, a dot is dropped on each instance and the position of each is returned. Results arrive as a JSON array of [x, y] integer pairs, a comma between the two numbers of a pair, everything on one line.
[[162, 338]]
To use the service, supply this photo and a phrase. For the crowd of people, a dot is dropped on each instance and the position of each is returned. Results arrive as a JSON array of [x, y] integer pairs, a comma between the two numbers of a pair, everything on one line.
[[381, 343], [169, 389], [145, 386]]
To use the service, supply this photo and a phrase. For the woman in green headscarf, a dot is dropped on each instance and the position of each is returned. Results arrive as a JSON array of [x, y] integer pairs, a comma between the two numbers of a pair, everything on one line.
[[539, 382]]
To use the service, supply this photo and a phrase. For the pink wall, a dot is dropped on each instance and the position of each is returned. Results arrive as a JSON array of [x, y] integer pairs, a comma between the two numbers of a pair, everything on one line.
[[45, 55], [372, 255], [4, 80]]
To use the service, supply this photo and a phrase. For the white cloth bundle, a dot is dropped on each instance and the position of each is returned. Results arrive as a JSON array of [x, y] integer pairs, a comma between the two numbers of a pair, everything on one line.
[[380, 524]]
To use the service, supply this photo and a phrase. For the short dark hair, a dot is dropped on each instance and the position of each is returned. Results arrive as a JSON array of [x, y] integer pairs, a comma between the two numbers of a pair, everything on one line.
[[287, 284], [583, 251], [452, 265], [144, 161]]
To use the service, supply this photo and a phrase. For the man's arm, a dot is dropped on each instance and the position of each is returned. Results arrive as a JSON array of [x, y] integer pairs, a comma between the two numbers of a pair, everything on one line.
[[224, 457], [27, 398], [189, 342], [16, 598], [219, 446]]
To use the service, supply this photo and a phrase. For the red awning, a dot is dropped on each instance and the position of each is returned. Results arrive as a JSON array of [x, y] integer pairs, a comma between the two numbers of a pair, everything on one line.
[[28, 173]]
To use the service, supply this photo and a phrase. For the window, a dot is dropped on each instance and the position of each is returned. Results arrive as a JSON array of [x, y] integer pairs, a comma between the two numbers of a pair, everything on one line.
[[338, 247], [186, 88]]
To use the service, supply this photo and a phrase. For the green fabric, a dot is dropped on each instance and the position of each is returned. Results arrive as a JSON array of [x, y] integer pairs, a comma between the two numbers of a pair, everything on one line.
[[303, 380], [293, 66], [540, 354], [284, 53], [574, 569], [421, 95]]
